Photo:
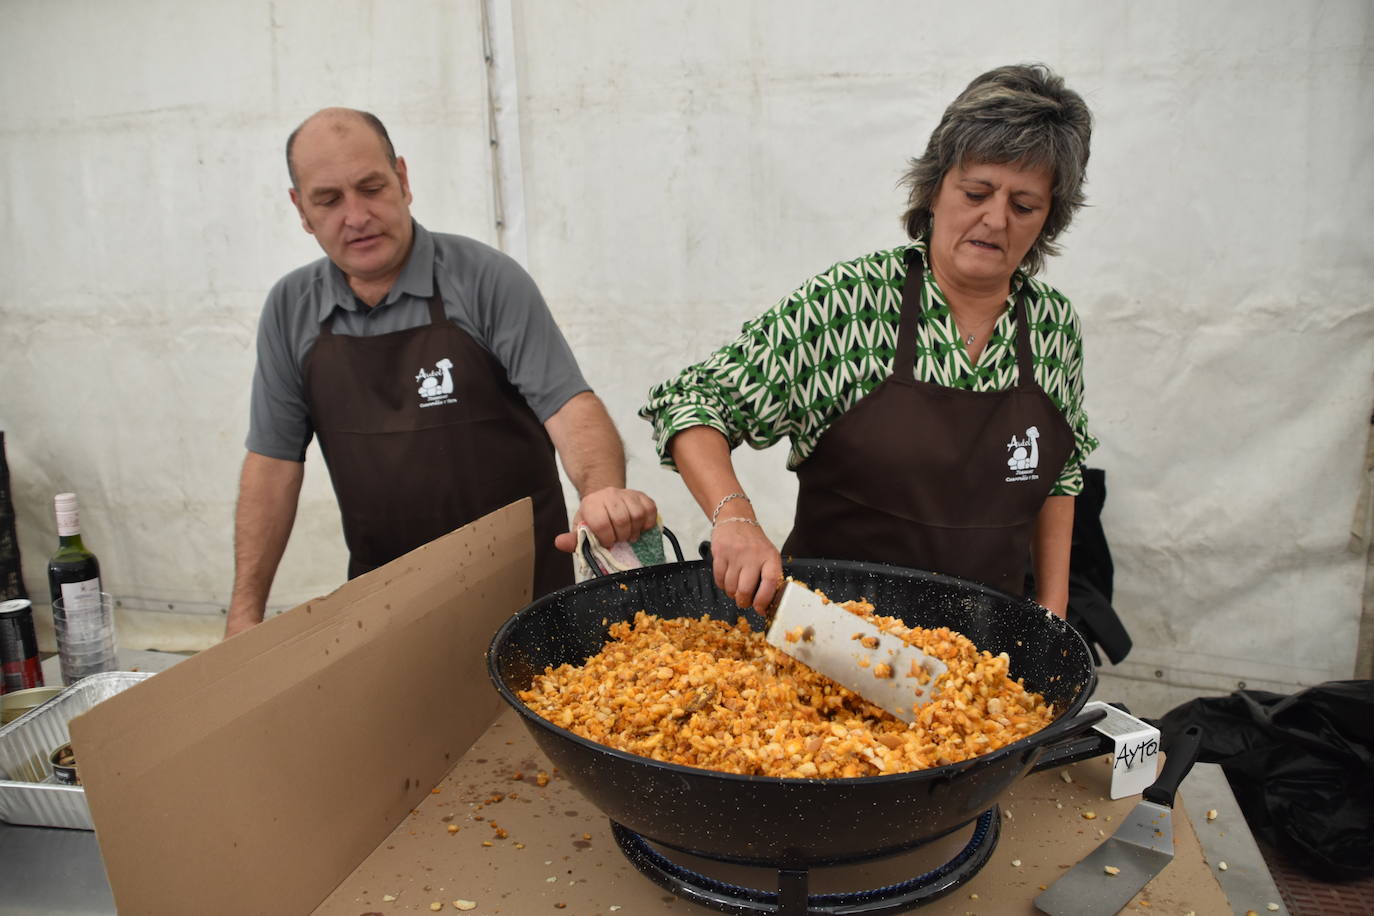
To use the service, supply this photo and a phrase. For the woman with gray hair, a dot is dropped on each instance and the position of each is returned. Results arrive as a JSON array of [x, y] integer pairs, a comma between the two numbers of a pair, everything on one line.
[[933, 392]]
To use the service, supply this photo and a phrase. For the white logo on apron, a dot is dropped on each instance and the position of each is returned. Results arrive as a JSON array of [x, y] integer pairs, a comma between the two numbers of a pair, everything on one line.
[[436, 386], [1025, 456]]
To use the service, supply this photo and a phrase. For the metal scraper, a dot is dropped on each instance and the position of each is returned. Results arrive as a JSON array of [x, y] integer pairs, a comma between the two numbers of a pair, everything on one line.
[[1117, 870], [852, 651]]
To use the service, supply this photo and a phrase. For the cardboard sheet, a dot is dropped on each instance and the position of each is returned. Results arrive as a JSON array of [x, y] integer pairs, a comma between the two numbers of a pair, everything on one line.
[[255, 776]]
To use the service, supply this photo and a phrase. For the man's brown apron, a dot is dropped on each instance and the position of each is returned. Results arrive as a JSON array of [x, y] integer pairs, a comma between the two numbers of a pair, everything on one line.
[[920, 475], [423, 433]]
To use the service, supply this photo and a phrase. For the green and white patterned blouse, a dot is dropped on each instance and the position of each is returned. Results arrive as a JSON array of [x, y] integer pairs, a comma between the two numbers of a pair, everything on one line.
[[797, 368]]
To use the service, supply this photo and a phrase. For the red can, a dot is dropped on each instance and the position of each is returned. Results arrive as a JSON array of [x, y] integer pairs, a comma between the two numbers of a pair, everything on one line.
[[18, 646]]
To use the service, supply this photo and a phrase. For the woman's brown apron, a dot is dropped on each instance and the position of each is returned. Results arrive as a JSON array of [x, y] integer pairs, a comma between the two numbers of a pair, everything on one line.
[[423, 433], [924, 476]]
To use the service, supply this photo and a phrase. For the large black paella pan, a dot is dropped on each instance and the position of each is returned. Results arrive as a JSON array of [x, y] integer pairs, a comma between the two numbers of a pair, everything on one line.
[[795, 823]]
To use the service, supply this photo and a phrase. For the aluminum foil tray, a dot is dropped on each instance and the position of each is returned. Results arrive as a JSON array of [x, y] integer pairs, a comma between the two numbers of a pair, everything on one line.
[[28, 793]]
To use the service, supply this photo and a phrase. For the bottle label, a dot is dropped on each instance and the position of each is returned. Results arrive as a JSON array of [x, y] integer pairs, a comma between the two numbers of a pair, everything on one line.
[[83, 619], [68, 519]]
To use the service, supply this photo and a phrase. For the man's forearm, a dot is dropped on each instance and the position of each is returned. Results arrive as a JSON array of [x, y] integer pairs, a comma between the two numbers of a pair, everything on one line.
[[269, 490], [588, 444], [1050, 551]]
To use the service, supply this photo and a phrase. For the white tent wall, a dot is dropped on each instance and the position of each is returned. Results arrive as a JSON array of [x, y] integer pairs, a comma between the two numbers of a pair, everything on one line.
[[683, 168], [145, 216]]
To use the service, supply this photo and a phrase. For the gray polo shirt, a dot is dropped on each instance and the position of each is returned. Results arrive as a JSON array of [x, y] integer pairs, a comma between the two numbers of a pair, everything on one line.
[[486, 293]]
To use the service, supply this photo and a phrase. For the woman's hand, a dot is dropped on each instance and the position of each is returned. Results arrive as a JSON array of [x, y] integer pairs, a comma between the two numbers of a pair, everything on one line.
[[746, 565]]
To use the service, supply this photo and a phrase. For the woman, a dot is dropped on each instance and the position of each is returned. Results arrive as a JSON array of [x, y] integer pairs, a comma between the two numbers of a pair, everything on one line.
[[933, 392]]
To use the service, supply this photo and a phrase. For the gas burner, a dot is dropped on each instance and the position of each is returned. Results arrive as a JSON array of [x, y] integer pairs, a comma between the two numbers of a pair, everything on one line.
[[793, 896]]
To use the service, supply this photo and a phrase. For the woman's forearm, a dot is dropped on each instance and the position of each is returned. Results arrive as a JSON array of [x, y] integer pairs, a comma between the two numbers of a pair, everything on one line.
[[702, 456], [1050, 553]]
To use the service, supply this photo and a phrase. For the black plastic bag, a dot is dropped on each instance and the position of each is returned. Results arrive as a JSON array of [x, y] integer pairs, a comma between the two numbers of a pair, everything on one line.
[[1301, 767]]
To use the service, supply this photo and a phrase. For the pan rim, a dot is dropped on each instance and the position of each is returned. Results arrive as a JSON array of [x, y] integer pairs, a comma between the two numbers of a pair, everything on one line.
[[1037, 740]]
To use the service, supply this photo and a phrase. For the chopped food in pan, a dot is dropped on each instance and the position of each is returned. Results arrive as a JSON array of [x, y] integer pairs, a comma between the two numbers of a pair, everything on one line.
[[708, 694]]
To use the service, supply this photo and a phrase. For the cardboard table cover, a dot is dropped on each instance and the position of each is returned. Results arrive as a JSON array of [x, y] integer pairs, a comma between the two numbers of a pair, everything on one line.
[[255, 776]]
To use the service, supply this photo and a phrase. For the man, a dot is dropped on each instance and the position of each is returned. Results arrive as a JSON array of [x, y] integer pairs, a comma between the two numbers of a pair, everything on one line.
[[432, 372]]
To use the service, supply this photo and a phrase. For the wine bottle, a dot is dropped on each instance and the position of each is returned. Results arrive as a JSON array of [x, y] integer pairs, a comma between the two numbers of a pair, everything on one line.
[[73, 572]]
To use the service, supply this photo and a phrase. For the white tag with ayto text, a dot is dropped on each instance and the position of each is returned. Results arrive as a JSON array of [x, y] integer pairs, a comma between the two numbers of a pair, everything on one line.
[[1136, 760]]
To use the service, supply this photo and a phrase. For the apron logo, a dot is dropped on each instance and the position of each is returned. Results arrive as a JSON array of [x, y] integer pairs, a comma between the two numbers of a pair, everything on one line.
[[1025, 456], [436, 386]]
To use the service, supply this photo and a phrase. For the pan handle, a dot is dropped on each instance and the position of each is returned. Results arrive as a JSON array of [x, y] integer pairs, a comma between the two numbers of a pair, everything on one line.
[[1079, 743]]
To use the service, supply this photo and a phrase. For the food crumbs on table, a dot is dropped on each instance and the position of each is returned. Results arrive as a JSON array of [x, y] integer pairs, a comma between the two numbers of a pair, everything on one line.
[[1089, 815], [973, 896], [564, 906], [518, 776], [387, 898], [453, 828], [519, 845], [882, 670], [435, 791], [586, 836], [1223, 866], [1044, 887], [1212, 814], [436, 906], [1272, 907], [551, 879], [1111, 870], [465, 904], [488, 843], [1064, 775], [1016, 863], [1058, 805], [1251, 913], [542, 779]]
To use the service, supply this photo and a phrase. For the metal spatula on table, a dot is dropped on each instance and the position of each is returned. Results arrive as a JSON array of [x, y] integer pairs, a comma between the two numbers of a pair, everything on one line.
[[853, 651], [1114, 872]]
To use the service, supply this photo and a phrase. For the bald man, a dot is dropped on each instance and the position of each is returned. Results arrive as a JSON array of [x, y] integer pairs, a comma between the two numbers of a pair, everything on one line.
[[430, 369]]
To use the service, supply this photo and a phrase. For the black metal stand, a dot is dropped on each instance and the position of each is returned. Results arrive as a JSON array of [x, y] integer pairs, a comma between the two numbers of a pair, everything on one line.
[[792, 898]]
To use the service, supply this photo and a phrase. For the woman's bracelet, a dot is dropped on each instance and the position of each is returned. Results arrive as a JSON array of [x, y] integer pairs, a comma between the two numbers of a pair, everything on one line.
[[737, 518], [715, 513]]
